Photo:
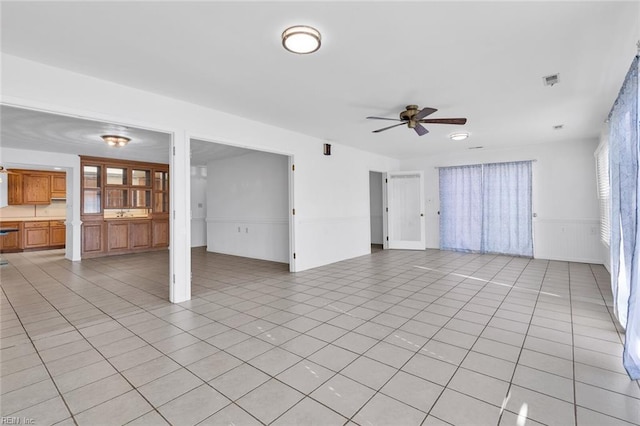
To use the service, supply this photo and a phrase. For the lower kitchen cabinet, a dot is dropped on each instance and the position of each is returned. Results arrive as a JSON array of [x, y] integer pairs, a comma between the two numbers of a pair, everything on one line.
[[57, 233], [117, 236], [122, 236], [13, 240], [160, 232], [36, 235], [140, 234], [92, 237]]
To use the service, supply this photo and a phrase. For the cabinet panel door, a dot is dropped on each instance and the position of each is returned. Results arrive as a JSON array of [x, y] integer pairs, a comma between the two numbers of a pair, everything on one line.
[[37, 189], [140, 234], [15, 194], [92, 237], [11, 241], [36, 237], [58, 186], [118, 236], [57, 235], [160, 233]]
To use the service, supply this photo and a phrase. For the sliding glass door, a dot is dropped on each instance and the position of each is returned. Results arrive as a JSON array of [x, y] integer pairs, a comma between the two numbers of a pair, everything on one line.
[[486, 208]]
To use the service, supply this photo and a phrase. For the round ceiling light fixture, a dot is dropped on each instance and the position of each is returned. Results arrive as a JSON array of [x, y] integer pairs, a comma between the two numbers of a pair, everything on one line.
[[115, 140], [301, 39], [459, 136]]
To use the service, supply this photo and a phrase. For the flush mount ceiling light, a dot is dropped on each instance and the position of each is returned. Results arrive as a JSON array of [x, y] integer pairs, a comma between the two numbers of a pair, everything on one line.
[[301, 39], [459, 136], [114, 140]]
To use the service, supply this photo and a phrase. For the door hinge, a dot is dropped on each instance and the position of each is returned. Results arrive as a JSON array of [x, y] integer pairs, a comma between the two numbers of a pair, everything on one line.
[[174, 150], [387, 209], [174, 215], [294, 212], [293, 167], [294, 255], [387, 238], [174, 278], [386, 180]]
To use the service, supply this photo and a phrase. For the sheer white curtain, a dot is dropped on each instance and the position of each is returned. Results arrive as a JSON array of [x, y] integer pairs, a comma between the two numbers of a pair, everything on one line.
[[486, 208], [506, 213], [624, 170], [461, 208]]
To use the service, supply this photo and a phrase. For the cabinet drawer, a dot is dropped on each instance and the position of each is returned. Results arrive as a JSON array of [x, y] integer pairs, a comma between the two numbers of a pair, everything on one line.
[[36, 224]]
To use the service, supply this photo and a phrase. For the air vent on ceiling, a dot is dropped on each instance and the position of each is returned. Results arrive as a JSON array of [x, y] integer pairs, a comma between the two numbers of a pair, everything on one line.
[[550, 80], [475, 147], [558, 127]]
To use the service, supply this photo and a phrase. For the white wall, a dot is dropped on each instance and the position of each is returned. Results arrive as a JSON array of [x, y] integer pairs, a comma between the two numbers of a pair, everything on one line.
[[375, 203], [248, 206], [331, 193], [198, 206], [4, 190], [71, 163], [564, 195]]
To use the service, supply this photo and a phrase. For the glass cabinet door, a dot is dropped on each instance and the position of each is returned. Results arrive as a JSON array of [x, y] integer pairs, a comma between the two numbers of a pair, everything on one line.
[[91, 193], [116, 176], [161, 181], [91, 176], [160, 192], [140, 177], [161, 203], [116, 198], [141, 198]]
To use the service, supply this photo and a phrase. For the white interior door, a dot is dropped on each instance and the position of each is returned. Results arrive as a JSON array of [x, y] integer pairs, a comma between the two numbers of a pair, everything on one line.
[[405, 210]]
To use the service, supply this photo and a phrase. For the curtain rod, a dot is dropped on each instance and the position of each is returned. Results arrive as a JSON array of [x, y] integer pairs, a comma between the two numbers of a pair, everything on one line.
[[484, 164]]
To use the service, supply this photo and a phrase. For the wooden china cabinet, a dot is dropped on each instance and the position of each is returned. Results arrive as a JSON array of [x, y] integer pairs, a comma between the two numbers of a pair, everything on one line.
[[125, 206]]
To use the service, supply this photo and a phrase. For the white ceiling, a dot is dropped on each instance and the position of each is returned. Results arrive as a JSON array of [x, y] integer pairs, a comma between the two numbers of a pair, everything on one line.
[[480, 60], [41, 131]]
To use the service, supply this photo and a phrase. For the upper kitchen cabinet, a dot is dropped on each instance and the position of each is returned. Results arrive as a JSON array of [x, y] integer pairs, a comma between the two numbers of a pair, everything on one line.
[[124, 189], [91, 189], [29, 187], [58, 185], [36, 187]]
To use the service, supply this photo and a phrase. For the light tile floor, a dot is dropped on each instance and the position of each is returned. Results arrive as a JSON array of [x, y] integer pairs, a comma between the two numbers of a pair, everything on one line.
[[395, 337]]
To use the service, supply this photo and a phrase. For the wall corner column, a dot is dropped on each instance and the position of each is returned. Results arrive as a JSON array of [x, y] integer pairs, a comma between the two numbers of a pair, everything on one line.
[[180, 243]]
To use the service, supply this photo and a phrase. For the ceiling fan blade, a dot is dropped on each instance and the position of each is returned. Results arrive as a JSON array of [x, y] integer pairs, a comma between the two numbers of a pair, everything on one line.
[[423, 113], [384, 118], [387, 128], [420, 129], [445, 120]]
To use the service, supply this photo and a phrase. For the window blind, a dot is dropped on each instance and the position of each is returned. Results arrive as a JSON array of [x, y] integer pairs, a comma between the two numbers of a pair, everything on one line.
[[602, 170]]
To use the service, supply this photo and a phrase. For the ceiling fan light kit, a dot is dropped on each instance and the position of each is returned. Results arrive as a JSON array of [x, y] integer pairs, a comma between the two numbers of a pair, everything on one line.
[[301, 39], [413, 117]]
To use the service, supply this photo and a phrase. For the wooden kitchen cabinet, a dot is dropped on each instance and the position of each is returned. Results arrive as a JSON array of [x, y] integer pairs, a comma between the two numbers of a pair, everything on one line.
[[57, 233], [92, 237], [125, 206], [13, 240], [160, 232], [58, 185], [33, 187], [117, 236], [36, 234], [140, 234]]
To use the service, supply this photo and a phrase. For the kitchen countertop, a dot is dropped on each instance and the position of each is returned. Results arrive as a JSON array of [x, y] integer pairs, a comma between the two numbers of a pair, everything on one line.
[[30, 219]]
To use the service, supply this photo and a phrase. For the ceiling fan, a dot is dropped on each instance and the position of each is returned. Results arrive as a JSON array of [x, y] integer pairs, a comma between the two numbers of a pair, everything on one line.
[[413, 116], [5, 171]]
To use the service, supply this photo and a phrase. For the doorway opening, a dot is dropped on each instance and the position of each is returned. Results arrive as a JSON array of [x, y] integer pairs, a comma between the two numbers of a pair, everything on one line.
[[376, 210], [240, 204]]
